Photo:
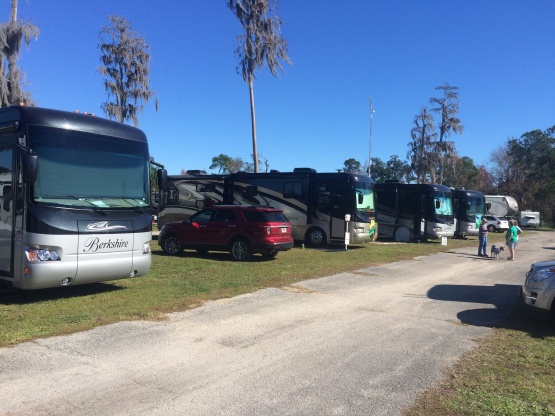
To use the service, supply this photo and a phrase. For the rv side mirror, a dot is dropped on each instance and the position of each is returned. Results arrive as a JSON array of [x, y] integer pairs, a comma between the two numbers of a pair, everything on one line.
[[488, 206], [360, 198], [162, 178], [438, 204], [30, 167]]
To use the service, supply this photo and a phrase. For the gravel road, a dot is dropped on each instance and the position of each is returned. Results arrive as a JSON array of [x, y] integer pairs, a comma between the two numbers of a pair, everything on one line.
[[361, 343]]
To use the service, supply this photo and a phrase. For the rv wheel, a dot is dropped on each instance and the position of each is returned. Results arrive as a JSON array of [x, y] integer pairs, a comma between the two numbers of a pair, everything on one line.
[[315, 237], [402, 235]]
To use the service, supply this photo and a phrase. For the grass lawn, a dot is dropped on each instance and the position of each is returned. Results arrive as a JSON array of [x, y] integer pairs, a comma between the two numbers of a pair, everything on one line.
[[511, 373]]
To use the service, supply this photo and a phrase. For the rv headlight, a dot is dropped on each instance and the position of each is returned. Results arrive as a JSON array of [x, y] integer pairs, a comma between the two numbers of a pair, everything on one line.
[[42, 254]]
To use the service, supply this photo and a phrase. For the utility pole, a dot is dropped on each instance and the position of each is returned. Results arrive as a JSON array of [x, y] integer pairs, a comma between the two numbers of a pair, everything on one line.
[[370, 147]]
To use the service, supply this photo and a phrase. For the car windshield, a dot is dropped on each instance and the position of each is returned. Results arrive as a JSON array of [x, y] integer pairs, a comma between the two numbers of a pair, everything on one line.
[[83, 169]]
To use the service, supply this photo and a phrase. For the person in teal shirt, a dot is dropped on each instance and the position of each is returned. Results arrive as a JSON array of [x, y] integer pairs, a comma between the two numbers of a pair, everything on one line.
[[511, 238]]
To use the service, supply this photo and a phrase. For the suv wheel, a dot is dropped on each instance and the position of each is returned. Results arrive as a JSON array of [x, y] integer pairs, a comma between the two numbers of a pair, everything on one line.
[[491, 228], [316, 237], [240, 250], [172, 245]]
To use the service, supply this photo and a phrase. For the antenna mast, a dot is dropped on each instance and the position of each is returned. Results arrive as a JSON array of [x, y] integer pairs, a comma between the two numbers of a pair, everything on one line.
[[370, 146]]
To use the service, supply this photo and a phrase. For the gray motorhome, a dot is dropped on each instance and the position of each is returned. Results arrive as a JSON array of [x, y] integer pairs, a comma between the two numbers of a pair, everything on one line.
[[183, 195], [315, 203], [468, 208], [408, 212], [75, 196]]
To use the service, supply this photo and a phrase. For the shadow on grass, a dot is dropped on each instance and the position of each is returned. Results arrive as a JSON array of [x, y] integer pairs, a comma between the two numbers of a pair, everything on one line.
[[22, 297], [222, 256], [508, 311]]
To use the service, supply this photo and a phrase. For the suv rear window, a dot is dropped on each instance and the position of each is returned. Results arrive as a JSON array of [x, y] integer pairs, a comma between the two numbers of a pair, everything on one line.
[[259, 216]]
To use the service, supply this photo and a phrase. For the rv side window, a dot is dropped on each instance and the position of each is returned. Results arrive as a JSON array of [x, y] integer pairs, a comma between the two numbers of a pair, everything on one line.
[[206, 187], [251, 190], [292, 189], [387, 200]]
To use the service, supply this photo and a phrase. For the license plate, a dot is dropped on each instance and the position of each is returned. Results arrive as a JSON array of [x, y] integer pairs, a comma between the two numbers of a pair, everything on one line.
[[283, 229]]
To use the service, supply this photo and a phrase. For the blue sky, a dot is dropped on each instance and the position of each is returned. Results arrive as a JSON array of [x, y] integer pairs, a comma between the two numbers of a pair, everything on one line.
[[500, 53]]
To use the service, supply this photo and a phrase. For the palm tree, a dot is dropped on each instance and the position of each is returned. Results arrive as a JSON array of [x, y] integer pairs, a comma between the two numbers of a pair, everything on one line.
[[261, 43]]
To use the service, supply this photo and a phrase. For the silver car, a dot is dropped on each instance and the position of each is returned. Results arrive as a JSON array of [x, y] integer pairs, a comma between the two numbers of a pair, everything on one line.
[[539, 289]]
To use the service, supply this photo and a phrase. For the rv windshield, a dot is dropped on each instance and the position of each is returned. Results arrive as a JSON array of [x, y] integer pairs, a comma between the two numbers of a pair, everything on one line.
[[83, 169], [364, 193], [475, 205], [443, 204]]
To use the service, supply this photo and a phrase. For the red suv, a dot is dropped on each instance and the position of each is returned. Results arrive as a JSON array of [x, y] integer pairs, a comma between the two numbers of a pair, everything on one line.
[[241, 230]]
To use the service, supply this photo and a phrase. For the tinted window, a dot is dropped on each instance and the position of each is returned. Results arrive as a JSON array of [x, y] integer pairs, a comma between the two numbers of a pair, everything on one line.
[[224, 216], [202, 216], [258, 216]]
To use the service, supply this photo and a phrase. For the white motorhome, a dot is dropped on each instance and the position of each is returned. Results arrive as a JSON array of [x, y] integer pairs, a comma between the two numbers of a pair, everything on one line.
[[529, 219], [501, 205]]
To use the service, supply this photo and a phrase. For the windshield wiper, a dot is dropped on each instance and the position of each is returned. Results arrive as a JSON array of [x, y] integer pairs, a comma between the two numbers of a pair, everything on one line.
[[78, 198]]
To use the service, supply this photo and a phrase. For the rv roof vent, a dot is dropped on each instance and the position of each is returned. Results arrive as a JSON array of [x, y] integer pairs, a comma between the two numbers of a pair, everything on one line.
[[274, 171], [304, 170], [196, 172]]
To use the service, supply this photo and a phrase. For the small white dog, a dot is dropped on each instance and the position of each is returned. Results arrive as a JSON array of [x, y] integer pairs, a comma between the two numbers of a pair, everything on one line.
[[496, 251]]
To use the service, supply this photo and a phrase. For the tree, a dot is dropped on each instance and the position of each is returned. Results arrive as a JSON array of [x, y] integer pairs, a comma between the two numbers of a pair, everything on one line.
[[448, 107], [126, 68], [462, 173], [261, 43], [393, 170], [398, 169], [266, 163], [533, 155], [226, 164], [222, 162], [352, 166], [421, 148], [485, 181], [12, 34]]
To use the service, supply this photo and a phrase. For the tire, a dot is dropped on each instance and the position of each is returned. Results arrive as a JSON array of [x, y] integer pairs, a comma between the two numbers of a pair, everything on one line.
[[271, 255], [402, 235], [171, 245], [315, 237], [240, 250], [491, 228]]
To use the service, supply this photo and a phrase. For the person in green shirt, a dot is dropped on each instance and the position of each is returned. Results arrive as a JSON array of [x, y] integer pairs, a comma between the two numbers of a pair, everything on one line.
[[511, 238]]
